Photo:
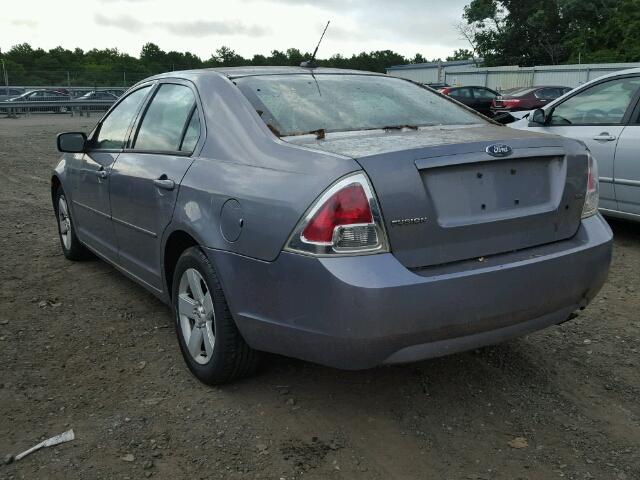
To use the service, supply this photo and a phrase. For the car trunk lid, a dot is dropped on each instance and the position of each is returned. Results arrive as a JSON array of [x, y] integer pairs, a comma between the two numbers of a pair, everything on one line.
[[445, 199]]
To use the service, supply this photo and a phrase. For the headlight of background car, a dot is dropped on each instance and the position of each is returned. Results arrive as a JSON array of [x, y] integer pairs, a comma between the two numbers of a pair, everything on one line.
[[593, 194]]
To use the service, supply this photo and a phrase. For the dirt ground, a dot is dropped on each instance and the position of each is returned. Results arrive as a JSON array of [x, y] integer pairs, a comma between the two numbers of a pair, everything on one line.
[[82, 347]]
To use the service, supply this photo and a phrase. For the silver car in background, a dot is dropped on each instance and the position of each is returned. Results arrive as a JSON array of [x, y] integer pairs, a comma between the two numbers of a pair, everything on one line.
[[605, 115]]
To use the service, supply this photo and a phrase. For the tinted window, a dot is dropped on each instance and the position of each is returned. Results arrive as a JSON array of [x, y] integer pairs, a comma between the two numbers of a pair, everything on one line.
[[114, 128], [296, 104], [461, 93], [483, 93], [164, 121], [192, 134], [549, 93], [601, 104], [519, 92]]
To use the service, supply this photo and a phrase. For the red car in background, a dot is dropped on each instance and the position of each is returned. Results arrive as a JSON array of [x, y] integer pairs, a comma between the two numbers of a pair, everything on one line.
[[528, 98]]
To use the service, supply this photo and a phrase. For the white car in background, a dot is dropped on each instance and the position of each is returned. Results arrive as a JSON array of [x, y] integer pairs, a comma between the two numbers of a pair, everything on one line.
[[604, 114]]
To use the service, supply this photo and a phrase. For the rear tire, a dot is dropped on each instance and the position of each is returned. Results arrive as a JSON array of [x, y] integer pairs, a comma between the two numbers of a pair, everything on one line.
[[71, 246], [210, 342]]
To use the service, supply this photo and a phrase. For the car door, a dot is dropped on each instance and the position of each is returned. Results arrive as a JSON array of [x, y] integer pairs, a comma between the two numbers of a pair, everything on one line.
[[597, 115], [90, 175], [146, 177], [627, 167]]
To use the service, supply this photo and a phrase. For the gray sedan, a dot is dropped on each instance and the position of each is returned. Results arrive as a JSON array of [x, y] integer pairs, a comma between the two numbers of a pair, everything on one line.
[[341, 217]]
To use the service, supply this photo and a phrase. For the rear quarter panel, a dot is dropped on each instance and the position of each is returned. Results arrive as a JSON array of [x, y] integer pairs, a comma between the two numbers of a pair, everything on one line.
[[273, 182]]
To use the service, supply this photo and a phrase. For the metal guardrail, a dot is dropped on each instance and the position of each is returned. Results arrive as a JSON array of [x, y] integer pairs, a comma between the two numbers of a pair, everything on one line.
[[80, 107]]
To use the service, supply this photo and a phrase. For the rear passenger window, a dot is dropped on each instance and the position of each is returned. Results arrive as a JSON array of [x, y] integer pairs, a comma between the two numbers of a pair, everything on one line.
[[164, 121], [192, 134], [461, 93]]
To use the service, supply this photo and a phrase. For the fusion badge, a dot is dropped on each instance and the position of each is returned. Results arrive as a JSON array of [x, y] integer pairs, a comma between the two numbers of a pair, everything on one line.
[[408, 221]]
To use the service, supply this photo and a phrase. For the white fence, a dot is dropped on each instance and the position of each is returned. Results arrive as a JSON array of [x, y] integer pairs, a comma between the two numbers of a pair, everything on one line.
[[502, 78]]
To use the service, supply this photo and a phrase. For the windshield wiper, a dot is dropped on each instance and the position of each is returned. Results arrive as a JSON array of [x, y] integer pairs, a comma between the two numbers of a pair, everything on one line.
[[320, 133], [400, 127]]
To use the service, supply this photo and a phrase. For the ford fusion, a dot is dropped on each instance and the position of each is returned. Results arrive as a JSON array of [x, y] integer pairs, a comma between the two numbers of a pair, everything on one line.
[[340, 217]]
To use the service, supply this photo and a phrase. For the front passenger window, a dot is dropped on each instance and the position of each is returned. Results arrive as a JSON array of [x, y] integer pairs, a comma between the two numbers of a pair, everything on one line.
[[114, 128]]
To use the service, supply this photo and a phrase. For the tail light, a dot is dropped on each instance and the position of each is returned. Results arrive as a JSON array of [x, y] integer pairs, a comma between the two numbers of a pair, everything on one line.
[[592, 196], [509, 103], [445, 91], [346, 219]]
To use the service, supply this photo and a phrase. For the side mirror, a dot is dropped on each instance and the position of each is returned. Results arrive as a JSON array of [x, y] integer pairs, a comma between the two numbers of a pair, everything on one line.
[[72, 142], [539, 117]]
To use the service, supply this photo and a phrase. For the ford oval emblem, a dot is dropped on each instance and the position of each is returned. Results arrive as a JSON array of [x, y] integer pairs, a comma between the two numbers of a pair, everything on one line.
[[499, 150]]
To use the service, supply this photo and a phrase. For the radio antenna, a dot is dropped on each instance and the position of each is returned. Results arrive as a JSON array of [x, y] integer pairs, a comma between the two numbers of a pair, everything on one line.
[[312, 62]]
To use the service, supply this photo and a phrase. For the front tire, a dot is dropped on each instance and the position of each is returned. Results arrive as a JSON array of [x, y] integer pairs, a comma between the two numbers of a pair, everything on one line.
[[71, 246], [210, 342]]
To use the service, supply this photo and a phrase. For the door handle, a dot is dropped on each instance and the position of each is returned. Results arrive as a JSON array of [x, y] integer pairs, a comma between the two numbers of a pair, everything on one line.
[[605, 137], [102, 174], [164, 183]]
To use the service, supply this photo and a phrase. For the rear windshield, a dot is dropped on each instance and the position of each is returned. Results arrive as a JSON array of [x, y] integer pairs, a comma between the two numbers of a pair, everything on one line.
[[302, 103]]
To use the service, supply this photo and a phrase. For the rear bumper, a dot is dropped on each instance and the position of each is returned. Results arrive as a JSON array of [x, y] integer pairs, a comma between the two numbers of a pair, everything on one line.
[[358, 312]]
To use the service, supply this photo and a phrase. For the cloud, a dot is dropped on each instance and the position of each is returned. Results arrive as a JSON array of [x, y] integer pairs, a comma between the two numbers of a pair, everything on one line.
[[406, 21], [125, 22], [203, 28], [196, 28], [23, 23]]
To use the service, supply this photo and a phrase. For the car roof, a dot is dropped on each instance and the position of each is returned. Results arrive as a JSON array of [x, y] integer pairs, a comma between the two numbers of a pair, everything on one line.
[[239, 72], [469, 86]]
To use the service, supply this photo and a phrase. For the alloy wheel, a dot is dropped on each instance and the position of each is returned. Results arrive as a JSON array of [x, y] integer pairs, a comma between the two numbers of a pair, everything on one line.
[[64, 222], [196, 316]]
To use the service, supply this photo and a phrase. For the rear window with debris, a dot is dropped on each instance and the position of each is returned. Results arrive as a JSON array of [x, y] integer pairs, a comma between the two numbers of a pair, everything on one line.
[[302, 103]]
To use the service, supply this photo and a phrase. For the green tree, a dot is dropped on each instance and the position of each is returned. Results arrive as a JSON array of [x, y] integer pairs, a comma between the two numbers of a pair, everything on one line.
[[460, 54], [507, 32]]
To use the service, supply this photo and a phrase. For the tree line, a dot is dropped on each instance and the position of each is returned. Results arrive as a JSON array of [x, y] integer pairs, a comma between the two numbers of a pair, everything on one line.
[[26, 65], [542, 32]]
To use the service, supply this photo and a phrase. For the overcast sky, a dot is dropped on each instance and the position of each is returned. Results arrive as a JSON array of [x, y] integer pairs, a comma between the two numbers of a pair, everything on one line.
[[247, 26]]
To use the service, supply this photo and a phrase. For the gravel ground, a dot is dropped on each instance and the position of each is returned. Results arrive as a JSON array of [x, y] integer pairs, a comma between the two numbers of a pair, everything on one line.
[[82, 347]]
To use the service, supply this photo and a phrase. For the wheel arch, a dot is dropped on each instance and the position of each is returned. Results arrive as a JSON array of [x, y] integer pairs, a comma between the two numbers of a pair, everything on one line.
[[55, 184], [176, 242]]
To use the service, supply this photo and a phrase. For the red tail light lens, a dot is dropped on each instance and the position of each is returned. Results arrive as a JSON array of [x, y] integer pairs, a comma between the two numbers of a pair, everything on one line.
[[592, 196], [346, 207], [509, 103], [445, 91], [346, 219]]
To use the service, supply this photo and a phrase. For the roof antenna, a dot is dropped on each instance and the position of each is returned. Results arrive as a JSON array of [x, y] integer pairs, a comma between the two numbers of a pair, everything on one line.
[[312, 63]]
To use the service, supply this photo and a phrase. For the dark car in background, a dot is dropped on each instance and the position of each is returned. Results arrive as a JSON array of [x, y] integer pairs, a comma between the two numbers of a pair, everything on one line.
[[97, 95], [478, 98], [7, 93], [46, 96], [529, 98]]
